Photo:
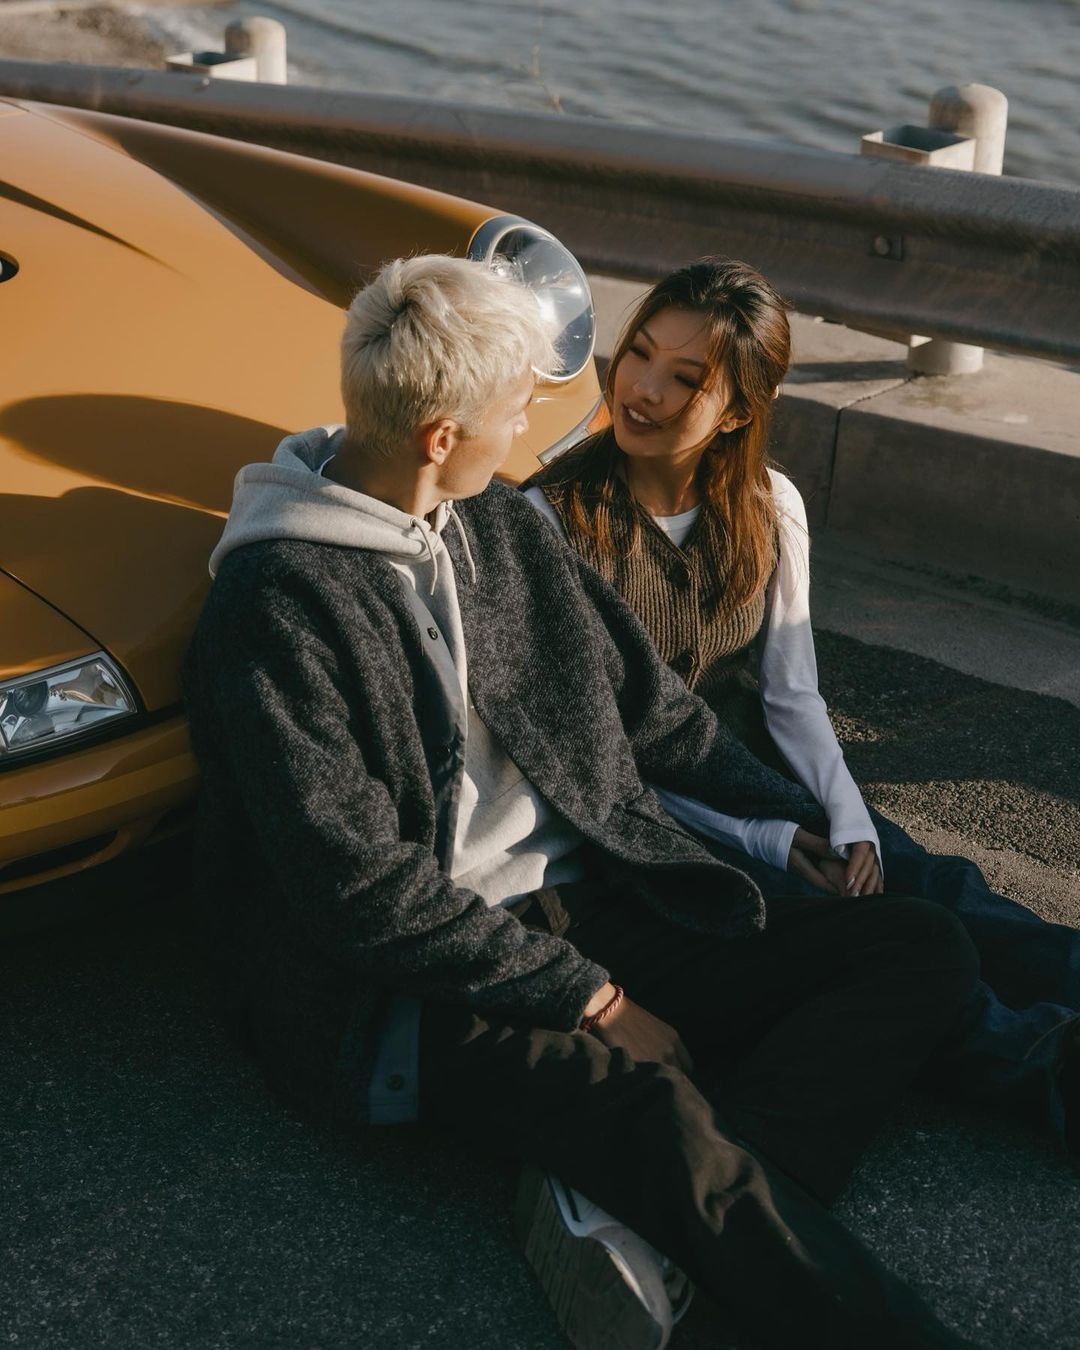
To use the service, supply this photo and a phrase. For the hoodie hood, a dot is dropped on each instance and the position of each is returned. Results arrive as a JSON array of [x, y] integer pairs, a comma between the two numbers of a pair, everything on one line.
[[290, 499]]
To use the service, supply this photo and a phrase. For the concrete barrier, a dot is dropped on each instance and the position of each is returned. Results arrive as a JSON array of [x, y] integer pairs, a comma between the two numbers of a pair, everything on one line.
[[974, 476], [978, 476]]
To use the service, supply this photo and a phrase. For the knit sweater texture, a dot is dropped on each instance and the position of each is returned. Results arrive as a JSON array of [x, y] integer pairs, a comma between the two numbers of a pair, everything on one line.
[[323, 843]]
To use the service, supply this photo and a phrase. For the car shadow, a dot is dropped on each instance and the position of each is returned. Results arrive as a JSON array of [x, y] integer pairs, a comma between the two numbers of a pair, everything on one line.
[[176, 452], [131, 571], [125, 556]]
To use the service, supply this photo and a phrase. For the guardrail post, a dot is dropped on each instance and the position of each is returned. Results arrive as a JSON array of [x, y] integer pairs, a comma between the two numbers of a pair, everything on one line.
[[977, 111], [981, 113], [264, 39]]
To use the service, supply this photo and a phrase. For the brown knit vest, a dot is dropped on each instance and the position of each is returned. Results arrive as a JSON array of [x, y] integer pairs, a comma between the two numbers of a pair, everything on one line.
[[678, 593]]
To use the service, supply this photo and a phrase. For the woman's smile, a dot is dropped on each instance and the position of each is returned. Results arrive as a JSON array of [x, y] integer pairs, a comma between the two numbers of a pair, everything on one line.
[[636, 420]]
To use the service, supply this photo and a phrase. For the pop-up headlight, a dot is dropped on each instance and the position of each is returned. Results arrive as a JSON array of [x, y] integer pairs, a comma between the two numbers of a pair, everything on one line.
[[554, 276]]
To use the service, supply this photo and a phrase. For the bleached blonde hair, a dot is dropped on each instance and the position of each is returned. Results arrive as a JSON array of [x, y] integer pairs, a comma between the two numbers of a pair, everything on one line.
[[432, 337]]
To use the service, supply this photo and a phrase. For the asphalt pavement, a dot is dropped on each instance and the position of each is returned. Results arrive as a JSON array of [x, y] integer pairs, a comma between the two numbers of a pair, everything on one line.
[[156, 1195]]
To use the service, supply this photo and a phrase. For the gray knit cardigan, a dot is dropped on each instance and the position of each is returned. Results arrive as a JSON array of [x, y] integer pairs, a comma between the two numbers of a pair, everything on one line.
[[330, 784]]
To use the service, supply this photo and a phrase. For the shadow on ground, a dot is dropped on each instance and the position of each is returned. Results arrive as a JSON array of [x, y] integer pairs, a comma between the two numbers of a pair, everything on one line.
[[924, 741]]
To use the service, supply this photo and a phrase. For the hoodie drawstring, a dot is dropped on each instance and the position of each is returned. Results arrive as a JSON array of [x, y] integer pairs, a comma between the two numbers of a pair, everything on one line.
[[425, 535]]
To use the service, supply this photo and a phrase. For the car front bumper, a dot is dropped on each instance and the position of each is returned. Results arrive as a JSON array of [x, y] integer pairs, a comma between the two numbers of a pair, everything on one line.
[[73, 811]]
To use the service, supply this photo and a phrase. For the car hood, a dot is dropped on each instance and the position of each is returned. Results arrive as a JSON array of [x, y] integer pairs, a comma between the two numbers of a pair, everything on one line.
[[158, 343], [35, 636], [175, 311]]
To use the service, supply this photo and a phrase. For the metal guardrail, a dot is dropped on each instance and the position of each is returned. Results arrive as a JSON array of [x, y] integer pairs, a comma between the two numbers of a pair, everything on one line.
[[878, 245]]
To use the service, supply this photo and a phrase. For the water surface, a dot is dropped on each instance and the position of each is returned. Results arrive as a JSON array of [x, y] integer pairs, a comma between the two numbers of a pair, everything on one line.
[[808, 72]]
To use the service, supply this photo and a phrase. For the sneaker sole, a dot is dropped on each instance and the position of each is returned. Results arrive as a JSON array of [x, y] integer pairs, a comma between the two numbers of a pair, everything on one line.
[[582, 1277]]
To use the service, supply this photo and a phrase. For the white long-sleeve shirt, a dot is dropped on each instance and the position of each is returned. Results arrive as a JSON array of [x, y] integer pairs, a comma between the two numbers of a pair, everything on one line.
[[795, 713]]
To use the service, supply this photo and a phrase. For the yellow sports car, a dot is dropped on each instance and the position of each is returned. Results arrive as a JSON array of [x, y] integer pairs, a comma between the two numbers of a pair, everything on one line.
[[171, 306]]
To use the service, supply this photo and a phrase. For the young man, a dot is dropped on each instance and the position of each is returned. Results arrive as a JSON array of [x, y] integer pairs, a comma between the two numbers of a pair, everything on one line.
[[443, 891]]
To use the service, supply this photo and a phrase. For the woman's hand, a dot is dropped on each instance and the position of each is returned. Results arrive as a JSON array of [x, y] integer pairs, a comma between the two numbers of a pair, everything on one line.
[[812, 858], [862, 875], [808, 852]]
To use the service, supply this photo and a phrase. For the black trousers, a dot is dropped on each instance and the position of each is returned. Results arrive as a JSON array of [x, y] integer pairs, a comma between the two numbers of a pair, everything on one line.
[[811, 1032]]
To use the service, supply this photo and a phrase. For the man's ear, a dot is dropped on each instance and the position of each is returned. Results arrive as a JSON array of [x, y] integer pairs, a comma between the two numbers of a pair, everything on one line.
[[436, 440]]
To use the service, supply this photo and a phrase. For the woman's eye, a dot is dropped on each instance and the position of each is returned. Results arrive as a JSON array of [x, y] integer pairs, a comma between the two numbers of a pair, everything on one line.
[[636, 351], [690, 384]]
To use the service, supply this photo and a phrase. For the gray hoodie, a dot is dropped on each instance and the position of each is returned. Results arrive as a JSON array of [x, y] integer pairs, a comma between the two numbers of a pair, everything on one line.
[[507, 840]]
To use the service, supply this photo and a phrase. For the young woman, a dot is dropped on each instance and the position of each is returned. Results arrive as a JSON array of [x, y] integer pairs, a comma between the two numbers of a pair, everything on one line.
[[676, 506]]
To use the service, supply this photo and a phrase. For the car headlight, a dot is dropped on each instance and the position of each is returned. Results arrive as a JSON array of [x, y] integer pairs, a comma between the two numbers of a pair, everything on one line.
[[61, 703], [553, 275]]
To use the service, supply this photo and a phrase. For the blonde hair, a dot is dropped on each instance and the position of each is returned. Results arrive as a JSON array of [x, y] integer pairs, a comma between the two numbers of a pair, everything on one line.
[[432, 337]]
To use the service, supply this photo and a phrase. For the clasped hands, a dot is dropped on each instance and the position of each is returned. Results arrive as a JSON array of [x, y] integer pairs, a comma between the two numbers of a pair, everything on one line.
[[812, 858]]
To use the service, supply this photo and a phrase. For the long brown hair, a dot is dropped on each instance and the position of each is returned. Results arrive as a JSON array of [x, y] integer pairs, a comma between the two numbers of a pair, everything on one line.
[[749, 348]]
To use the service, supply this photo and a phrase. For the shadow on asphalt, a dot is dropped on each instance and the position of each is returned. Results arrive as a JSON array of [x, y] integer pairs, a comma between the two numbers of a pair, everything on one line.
[[997, 765]]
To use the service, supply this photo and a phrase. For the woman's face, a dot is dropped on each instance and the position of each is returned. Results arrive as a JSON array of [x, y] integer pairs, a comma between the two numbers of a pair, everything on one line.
[[654, 384]]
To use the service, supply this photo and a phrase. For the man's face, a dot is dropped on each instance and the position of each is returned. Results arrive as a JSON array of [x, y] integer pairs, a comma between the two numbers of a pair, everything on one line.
[[474, 460]]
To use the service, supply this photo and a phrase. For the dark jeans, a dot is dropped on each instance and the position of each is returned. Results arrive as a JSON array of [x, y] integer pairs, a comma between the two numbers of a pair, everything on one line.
[[1004, 1049], [1025, 959], [813, 1030]]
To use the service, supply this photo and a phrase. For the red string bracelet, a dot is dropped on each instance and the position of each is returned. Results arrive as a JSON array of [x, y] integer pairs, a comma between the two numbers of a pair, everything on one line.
[[587, 1023]]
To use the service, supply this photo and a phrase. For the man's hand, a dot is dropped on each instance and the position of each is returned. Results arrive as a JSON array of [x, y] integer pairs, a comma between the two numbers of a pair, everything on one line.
[[643, 1036], [806, 859], [862, 875]]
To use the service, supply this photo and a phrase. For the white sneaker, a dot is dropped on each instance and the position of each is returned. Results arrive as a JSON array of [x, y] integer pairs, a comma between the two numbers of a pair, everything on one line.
[[609, 1288]]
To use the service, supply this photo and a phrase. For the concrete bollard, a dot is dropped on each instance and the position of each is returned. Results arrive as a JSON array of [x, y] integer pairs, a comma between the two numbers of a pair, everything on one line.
[[928, 148], [937, 356], [966, 130], [263, 39], [977, 111], [981, 113]]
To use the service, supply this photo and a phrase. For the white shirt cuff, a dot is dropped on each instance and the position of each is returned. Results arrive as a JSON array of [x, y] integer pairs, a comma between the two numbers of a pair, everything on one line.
[[767, 840], [841, 837]]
